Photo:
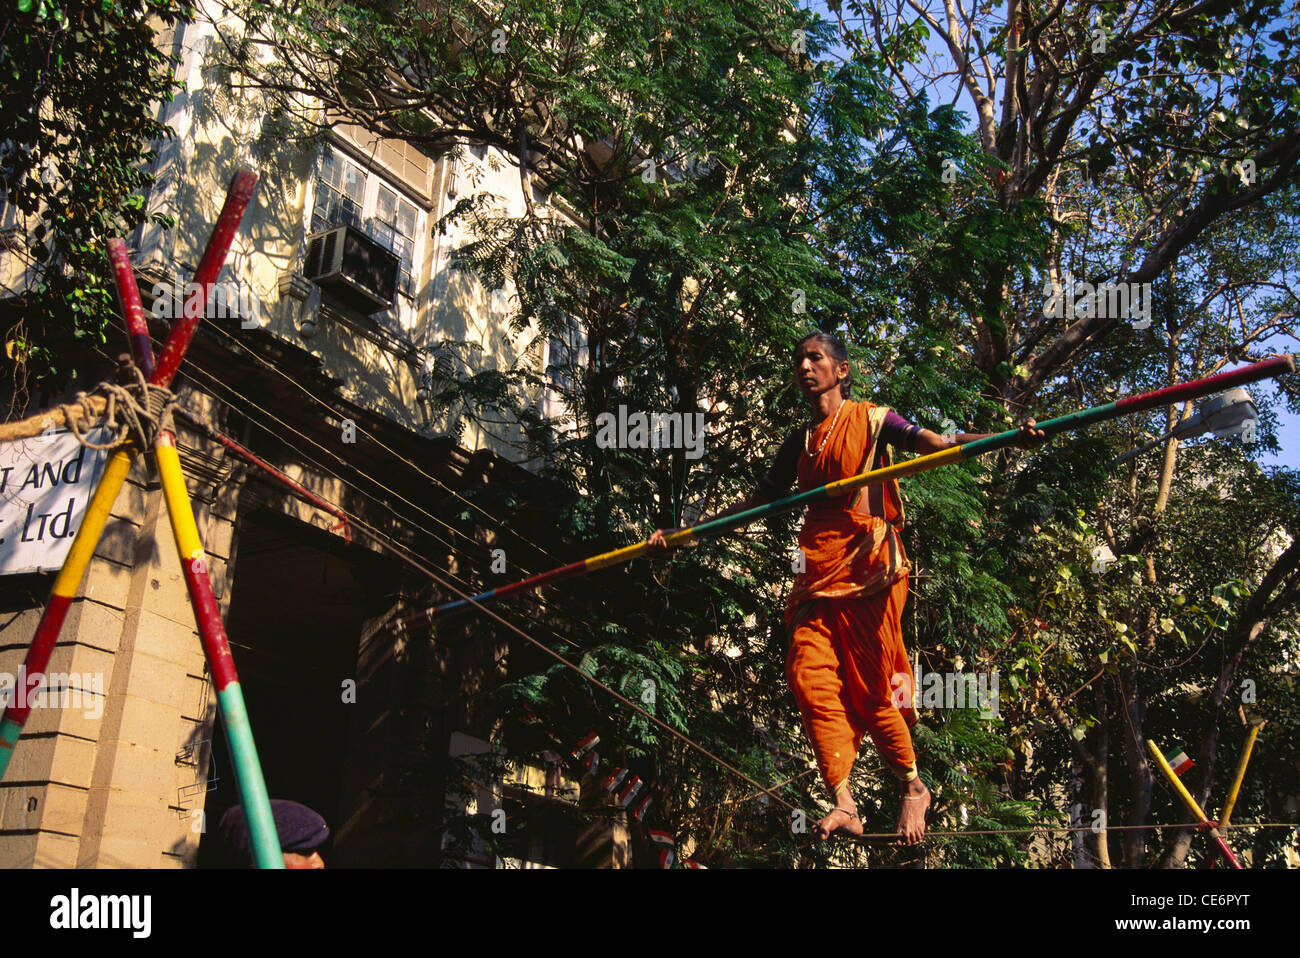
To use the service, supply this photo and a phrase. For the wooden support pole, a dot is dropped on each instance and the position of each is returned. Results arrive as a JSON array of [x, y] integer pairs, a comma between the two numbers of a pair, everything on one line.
[[252, 786], [1239, 776]]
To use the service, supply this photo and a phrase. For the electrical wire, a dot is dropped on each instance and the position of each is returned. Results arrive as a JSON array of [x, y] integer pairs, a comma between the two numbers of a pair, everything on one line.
[[376, 535], [375, 439], [403, 553], [1061, 828]]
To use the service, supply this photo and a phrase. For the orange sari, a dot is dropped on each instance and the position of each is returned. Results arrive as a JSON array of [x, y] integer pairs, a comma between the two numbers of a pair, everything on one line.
[[847, 666]]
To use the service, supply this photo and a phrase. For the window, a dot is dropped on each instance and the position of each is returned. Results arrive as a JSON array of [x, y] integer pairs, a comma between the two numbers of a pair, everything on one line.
[[340, 193], [469, 168], [394, 226], [566, 360], [346, 193]]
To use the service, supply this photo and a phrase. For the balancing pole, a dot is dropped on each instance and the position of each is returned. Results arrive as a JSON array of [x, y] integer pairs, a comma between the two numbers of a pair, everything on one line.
[[1275, 366], [1192, 805], [252, 786]]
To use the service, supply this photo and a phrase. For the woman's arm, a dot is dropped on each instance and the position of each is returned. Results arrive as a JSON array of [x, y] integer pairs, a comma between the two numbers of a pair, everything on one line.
[[928, 442]]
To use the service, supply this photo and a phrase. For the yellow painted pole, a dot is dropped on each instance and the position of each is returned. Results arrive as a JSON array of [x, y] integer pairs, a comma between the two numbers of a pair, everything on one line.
[[95, 520], [1241, 774]]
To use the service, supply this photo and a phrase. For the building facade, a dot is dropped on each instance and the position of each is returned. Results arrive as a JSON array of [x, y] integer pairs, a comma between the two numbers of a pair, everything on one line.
[[384, 734]]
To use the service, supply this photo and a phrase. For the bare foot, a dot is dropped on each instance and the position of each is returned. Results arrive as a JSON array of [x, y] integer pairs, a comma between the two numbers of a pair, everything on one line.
[[911, 811], [841, 818]]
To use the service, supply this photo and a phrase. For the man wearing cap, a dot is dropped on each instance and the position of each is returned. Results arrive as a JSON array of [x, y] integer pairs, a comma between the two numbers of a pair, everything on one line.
[[301, 831]]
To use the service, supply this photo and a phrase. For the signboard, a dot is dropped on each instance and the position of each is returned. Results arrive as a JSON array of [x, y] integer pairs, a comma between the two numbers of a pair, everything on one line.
[[45, 485]]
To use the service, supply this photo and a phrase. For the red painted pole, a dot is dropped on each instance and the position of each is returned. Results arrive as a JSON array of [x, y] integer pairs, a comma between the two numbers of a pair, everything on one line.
[[223, 235], [207, 613], [128, 297], [295, 487]]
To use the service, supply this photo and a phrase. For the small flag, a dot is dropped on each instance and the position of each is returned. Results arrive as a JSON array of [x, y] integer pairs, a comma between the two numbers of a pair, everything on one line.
[[630, 792], [591, 762], [1178, 761], [640, 810], [590, 741], [614, 780], [689, 863], [666, 858], [660, 836]]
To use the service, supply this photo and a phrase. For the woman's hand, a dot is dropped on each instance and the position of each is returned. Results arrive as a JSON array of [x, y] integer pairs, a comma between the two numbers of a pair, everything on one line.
[[1030, 437], [658, 547]]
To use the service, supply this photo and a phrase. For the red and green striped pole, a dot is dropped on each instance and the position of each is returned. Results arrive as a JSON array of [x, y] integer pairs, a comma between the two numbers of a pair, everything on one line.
[[1276, 366], [216, 646]]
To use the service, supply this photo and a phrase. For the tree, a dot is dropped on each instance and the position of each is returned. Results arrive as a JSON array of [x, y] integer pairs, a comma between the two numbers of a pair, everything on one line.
[[722, 194], [80, 83], [1146, 96], [1118, 145]]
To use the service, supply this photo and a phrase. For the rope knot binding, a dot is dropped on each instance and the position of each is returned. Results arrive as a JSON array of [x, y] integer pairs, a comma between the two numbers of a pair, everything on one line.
[[144, 409]]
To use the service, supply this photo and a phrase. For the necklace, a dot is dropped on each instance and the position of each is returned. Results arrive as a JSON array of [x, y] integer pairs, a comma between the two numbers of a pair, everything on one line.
[[808, 434]]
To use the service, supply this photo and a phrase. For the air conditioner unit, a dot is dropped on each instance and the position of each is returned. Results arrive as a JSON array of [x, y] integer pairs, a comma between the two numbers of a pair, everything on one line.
[[353, 268]]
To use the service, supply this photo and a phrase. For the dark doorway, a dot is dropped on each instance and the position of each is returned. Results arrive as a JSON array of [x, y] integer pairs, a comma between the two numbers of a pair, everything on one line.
[[296, 613]]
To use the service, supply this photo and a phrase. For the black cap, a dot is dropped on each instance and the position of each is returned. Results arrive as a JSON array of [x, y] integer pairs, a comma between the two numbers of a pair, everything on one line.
[[300, 829]]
